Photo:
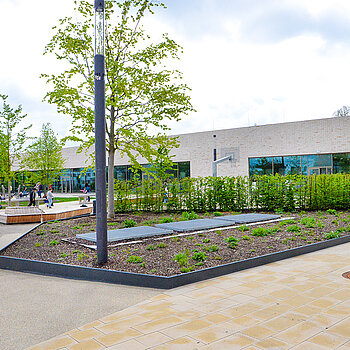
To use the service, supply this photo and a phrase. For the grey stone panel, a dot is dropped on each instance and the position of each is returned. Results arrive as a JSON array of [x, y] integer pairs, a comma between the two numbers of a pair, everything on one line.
[[127, 233], [193, 225], [248, 218]]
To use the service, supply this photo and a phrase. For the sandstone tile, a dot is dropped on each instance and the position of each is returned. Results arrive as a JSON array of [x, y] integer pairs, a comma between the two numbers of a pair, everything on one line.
[[91, 325], [323, 303], [342, 328], [157, 325], [186, 328], [55, 343], [280, 323], [258, 332], [128, 345], [328, 340], [121, 324], [87, 334], [118, 337], [272, 344], [184, 343], [153, 339], [299, 333], [90, 344], [236, 341], [216, 318]]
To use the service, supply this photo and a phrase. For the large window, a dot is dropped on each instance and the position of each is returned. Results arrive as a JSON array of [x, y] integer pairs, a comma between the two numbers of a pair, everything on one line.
[[341, 163], [313, 164]]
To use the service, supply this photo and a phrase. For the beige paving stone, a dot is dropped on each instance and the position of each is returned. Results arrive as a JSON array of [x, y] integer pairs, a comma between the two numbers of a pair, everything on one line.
[[55, 343], [188, 315], [283, 293], [272, 344], [118, 337], [258, 332], [338, 310], [236, 341], [279, 324], [121, 324], [325, 320], [309, 346], [91, 325], [308, 310], [265, 300], [302, 287], [90, 344], [299, 333], [324, 303], [319, 292], [328, 340], [216, 318], [294, 316], [186, 328], [153, 339], [298, 300], [342, 328], [87, 334], [157, 325], [212, 334], [128, 345], [184, 343], [160, 297], [241, 310], [120, 315], [244, 321]]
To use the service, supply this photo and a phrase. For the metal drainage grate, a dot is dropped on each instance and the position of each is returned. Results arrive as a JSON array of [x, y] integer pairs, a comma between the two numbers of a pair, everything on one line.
[[346, 274]]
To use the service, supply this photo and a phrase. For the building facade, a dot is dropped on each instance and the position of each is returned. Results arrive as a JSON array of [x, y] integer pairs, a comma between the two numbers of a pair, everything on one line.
[[320, 146]]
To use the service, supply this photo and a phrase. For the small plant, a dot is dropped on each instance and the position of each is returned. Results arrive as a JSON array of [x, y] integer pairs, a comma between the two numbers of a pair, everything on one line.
[[64, 255], [38, 244], [199, 256], [217, 213], [113, 223], [320, 224], [294, 228], [143, 264], [112, 254], [218, 232], [246, 238], [187, 269], [233, 242], [134, 259], [182, 259], [335, 222], [166, 220], [309, 222], [76, 227], [129, 223], [53, 242], [331, 235], [40, 233], [153, 271], [176, 239], [259, 232], [81, 256], [151, 247], [331, 212], [189, 216], [285, 241], [218, 258], [243, 228], [161, 245], [212, 248], [206, 240], [253, 250], [292, 221], [189, 238]]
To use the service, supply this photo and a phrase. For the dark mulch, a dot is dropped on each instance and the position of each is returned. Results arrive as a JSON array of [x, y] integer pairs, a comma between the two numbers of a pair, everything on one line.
[[156, 256]]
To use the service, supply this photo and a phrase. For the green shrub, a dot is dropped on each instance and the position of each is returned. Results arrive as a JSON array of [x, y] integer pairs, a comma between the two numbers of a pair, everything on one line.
[[53, 243], [233, 242], [129, 223], [38, 244], [243, 228], [161, 245], [217, 213], [206, 240], [212, 248], [189, 216], [182, 259], [151, 247], [293, 228], [309, 222], [134, 259], [260, 232], [245, 237], [331, 212], [166, 220], [331, 235], [199, 256], [187, 269]]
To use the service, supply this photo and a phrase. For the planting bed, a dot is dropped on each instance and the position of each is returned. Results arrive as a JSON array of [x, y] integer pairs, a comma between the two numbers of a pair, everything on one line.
[[179, 253]]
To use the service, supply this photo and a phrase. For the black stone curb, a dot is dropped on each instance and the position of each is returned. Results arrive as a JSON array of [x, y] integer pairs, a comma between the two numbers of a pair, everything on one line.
[[152, 281]]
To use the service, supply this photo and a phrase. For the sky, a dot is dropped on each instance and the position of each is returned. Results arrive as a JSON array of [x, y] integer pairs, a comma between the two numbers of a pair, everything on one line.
[[248, 62]]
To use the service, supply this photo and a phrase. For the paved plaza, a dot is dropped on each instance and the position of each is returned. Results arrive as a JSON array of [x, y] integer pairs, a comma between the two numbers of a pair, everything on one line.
[[302, 303]]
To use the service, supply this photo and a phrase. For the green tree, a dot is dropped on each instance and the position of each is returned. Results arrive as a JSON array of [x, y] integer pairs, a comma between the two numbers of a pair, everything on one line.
[[44, 156], [141, 94], [12, 139]]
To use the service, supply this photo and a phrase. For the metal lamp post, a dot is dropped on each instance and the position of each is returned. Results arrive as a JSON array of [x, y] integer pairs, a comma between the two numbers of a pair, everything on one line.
[[100, 135]]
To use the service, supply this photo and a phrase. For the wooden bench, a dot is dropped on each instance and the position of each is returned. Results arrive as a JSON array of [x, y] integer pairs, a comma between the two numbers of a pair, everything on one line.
[[17, 201]]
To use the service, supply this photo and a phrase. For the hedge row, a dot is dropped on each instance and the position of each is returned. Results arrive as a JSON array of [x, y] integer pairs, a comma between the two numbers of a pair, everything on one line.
[[270, 193]]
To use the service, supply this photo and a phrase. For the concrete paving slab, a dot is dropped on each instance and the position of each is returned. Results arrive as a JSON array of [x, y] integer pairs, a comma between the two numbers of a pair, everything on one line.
[[127, 233], [248, 218], [193, 225]]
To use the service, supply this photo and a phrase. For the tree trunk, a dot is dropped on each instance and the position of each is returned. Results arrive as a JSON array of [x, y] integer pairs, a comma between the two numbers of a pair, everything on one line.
[[110, 210], [9, 191]]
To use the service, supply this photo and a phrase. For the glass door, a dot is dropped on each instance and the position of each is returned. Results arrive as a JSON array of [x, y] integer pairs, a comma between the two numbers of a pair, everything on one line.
[[319, 170]]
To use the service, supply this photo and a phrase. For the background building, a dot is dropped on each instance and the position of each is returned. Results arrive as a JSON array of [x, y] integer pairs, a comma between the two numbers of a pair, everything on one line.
[[320, 146]]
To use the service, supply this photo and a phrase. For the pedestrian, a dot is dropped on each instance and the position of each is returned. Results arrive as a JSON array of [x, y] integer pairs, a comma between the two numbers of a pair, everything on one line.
[[87, 190], [40, 189], [32, 196], [50, 198]]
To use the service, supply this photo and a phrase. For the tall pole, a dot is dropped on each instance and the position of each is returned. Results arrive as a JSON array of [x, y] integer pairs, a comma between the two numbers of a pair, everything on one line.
[[100, 135]]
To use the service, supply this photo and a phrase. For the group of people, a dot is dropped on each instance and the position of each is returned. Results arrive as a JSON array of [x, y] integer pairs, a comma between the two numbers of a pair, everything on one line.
[[38, 190]]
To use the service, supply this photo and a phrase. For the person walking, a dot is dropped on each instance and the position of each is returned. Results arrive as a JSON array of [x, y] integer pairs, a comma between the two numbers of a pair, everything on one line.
[[50, 198], [32, 196]]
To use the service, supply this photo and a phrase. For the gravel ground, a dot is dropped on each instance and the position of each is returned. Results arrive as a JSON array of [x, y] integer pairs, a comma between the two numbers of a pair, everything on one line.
[[179, 253]]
